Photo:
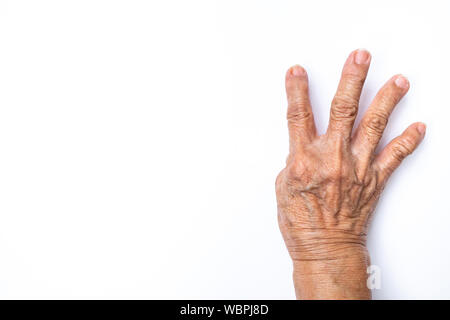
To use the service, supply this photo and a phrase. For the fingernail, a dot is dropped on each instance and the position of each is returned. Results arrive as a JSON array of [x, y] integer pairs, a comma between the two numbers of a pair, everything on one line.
[[421, 128], [362, 56], [402, 82], [298, 71]]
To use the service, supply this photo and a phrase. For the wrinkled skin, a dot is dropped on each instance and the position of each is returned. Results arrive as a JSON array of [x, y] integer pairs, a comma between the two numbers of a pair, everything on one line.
[[331, 184]]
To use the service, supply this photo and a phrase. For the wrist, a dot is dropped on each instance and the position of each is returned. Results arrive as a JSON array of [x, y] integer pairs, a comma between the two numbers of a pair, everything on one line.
[[342, 276]]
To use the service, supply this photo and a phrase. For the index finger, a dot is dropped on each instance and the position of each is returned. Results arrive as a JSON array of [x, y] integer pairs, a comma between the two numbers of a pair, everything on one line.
[[299, 114]]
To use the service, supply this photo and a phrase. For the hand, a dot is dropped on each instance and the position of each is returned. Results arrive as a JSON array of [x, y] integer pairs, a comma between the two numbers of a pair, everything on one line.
[[331, 183]]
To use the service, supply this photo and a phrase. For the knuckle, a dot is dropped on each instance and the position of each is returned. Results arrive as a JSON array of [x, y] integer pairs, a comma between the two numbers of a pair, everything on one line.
[[353, 80], [388, 98], [375, 124], [353, 76], [297, 101], [402, 149], [278, 178], [295, 171], [298, 115], [278, 182], [344, 107]]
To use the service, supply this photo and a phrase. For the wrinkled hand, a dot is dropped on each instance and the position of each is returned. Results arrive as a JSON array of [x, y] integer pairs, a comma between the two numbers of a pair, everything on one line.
[[331, 183]]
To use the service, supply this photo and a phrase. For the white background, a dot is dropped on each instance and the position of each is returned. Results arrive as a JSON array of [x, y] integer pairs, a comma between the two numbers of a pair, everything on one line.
[[140, 141]]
